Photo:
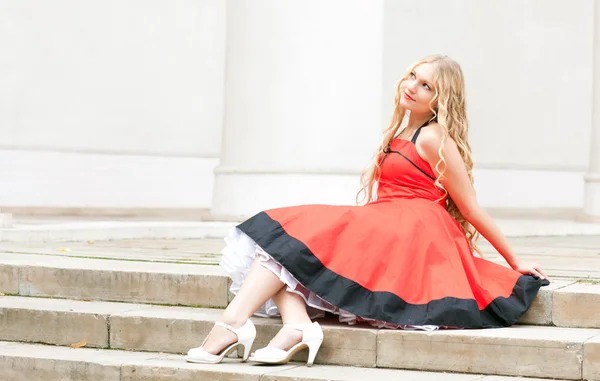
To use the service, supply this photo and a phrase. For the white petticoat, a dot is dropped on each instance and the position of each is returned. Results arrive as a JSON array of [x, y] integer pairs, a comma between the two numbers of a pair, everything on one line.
[[239, 254]]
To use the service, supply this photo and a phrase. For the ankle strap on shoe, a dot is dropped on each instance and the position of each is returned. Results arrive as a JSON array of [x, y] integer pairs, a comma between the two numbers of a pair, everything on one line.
[[226, 326], [302, 327], [232, 329], [309, 331], [298, 327]]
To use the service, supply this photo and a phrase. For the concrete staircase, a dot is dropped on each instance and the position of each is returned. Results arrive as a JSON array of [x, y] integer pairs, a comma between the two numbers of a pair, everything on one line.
[[131, 319]]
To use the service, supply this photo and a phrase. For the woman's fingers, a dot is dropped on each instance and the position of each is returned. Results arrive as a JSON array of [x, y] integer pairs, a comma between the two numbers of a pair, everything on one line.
[[539, 270]]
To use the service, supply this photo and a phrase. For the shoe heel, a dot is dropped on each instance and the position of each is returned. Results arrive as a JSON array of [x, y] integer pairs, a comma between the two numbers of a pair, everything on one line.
[[247, 345], [313, 348]]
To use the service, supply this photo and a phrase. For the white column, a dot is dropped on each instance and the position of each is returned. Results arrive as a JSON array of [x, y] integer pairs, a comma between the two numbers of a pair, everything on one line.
[[302, 103], [6, 220], [592, 178]]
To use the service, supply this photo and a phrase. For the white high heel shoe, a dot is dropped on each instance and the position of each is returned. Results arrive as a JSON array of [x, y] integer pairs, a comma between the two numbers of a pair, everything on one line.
[[312, 338], [246, 335]]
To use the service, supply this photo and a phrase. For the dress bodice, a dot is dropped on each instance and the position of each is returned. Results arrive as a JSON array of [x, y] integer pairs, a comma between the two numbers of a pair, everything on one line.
[[404, 174]]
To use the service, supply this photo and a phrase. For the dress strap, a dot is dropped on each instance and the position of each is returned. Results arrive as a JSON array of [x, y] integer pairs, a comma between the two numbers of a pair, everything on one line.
[[417, 132], [416, 135]]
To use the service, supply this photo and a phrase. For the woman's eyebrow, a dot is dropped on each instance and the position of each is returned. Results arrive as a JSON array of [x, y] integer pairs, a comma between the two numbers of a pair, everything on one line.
[[421, 79]]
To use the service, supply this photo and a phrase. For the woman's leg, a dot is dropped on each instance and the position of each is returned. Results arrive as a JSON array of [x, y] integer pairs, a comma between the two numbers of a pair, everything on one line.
[[259, 286], [293, 311]]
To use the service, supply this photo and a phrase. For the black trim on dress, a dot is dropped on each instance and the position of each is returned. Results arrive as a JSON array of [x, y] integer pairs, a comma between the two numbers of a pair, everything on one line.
[[388, 151], [348, 295]]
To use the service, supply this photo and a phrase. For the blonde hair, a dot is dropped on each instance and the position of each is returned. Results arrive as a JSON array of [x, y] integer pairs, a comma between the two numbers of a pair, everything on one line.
[[450, 113]]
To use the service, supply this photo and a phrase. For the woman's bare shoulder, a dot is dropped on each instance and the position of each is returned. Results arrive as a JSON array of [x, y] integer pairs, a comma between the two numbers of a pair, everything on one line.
[[431, 137]]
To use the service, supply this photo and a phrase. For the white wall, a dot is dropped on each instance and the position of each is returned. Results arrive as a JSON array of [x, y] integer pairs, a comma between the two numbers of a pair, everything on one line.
[[127, 80], [302, 102], [528, 69], [120, 103], [53, 179]]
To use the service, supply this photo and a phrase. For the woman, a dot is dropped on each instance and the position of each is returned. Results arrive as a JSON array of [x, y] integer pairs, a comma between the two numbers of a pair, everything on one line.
[[405, 259]]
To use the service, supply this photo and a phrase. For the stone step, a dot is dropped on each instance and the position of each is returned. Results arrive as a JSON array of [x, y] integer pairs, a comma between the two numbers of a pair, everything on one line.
[[81, 230], [113, 280], [61, 228], [531, 351], [41, 362], [563, 303]]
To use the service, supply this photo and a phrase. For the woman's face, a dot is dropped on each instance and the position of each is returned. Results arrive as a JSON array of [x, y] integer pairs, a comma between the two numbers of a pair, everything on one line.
[[417, 90]]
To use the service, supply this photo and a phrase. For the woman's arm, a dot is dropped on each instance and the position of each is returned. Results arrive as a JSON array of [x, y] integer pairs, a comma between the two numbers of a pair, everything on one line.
[[457, 183]]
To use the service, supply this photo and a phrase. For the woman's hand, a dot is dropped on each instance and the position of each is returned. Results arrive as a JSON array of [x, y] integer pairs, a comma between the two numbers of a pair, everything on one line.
[[532, 268]]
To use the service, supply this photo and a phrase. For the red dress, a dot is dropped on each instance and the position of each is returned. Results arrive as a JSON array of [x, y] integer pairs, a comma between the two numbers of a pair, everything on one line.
[[399, 261]]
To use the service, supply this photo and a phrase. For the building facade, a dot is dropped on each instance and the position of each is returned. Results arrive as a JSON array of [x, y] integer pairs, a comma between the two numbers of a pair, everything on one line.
[[231, 107]]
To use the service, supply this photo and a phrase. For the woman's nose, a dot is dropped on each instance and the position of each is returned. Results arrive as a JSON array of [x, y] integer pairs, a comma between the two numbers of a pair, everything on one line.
[[412, 87]]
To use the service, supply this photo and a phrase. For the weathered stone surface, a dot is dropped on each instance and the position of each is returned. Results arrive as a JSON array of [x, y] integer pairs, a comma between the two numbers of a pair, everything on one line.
[[175, 368], [39, 369], [176, 330], [341, 343], [577, 305], [42, 363], [540, 312], [349, 373], [519, 351], [9, 279], [19, 362], [126, 281], [591, 359], [54, 321], [161, 329]]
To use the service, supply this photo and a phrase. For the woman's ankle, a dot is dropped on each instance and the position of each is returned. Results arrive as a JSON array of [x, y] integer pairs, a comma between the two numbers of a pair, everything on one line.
[[232, 320], [297, 322]]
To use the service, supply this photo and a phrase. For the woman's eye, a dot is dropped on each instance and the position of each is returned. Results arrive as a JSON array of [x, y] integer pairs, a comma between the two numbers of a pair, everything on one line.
[[426, 86], [412, 75]]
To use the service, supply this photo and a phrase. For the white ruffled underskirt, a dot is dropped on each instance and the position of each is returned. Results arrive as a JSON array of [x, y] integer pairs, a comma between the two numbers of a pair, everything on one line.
[[239, 254]]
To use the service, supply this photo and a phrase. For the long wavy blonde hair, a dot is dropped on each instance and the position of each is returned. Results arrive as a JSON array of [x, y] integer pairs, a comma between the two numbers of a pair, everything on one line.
[[448, 108]]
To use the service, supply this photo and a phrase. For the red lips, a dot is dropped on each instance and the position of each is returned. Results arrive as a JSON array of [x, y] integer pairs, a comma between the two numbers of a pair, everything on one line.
[[409, 97]]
